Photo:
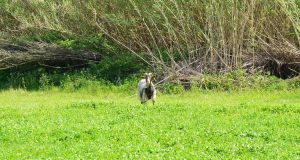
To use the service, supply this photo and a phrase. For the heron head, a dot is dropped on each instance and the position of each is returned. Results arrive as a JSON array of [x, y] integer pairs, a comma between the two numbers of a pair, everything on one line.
[[148, 77]]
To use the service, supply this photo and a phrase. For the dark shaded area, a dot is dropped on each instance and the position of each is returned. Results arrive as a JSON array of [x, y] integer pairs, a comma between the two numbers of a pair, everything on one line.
[[34, 75], [149, 91], [29, 76], [186, 83], [284, 71]]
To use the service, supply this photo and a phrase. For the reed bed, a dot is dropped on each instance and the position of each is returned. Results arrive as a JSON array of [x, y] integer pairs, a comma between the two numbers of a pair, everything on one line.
[[176, 37]]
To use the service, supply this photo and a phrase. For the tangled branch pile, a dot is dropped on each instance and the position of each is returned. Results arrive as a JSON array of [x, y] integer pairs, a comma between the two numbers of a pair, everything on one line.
[[181, 37], [43, 54]]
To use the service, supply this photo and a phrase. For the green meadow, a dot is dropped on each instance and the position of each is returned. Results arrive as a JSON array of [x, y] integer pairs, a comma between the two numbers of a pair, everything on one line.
[[57, 124]]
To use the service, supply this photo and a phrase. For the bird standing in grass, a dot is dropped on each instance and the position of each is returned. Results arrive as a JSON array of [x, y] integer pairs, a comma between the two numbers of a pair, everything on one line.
[[146, 89]]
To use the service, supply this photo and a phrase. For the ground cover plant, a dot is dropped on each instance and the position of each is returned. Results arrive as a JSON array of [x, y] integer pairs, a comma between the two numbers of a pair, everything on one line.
[[113, 125]]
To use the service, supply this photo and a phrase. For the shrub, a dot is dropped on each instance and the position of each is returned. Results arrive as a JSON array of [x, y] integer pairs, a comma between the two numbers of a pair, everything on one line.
[[172, 88], [44, 81], [116, 67]]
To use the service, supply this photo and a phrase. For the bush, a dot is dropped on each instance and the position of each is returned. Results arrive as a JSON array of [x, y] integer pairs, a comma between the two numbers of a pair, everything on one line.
[[44, 82], [294, 82], [172, 88], [118, 67], [95, 43], [239, 80]]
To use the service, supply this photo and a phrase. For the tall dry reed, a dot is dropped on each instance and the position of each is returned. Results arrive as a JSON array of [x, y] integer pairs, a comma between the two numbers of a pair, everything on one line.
[[177, 37]]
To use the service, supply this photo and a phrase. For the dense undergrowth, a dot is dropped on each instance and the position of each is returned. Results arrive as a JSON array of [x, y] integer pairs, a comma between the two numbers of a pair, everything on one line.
[[161, 37], [120, 69], [105, 76], [202, 36]]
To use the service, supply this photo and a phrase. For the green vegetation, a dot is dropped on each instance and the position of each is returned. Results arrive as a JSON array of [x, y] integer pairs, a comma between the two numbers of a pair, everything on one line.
[[69, 71], [106, 72], [127, 73], [113, 125]]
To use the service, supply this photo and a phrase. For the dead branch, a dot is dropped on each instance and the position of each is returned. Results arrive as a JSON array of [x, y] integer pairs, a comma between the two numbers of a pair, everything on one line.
[[12, 55]]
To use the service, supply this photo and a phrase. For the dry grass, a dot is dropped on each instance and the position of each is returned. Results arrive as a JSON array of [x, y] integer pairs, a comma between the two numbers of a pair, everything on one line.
[[179, 37]]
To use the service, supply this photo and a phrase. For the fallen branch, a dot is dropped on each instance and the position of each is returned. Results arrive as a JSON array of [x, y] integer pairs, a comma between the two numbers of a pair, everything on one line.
[[12, 55]]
